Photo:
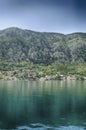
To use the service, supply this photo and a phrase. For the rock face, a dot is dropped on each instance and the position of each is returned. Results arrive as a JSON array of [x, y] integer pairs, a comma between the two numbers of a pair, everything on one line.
[[18, 45]]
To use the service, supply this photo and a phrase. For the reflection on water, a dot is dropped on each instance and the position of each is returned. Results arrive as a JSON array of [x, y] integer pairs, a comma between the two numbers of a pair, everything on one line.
[[52, 103]]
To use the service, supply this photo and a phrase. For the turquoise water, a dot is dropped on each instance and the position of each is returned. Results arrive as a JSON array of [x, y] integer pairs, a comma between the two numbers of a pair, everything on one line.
[[43, 105]]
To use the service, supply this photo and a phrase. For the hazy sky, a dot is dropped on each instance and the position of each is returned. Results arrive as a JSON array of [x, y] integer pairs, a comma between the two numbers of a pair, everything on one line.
[[64, 16]]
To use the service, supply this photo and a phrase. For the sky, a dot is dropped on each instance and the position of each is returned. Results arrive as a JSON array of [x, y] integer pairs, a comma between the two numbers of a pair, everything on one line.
[[62, 16]]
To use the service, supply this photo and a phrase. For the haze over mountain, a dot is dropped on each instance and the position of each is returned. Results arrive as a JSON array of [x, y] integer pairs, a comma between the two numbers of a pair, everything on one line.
[[18, 45]]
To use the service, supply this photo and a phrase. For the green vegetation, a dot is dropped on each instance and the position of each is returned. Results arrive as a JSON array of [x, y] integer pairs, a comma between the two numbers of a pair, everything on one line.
[[26, 70], [28, 54], [17, 45]]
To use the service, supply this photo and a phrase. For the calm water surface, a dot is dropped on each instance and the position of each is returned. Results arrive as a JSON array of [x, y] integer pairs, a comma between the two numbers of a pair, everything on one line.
[[43, 105]]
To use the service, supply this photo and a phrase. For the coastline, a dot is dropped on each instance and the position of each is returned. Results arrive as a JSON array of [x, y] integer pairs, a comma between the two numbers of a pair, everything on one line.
[[46, 78]]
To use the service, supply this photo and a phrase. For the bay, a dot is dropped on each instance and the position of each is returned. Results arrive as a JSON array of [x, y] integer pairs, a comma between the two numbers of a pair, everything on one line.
[[43, 105]]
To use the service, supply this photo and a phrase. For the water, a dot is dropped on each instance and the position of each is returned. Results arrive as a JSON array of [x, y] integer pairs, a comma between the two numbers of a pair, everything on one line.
[[43, 105]]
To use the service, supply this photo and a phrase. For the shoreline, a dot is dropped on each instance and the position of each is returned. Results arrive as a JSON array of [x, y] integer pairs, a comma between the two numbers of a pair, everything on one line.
[[46, 78]]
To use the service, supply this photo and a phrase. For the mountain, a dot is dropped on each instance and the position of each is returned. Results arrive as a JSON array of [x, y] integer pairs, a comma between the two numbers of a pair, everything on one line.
[[18, 45]]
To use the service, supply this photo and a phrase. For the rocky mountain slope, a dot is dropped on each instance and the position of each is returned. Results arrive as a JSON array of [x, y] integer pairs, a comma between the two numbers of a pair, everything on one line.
[[18, 45]]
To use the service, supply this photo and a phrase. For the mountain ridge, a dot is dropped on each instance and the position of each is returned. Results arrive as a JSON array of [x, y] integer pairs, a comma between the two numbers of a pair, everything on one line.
[[18, 45], [24, 29]]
